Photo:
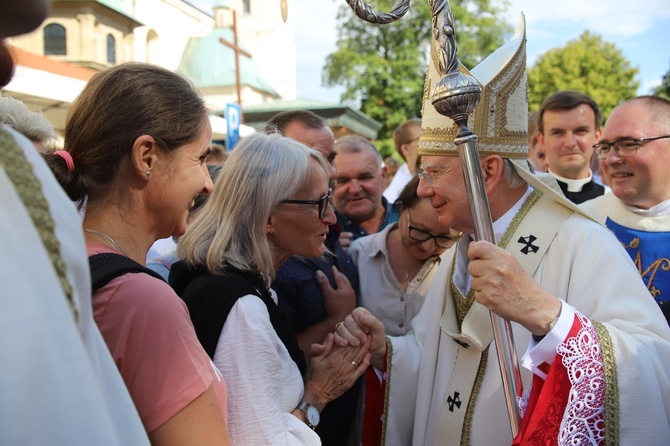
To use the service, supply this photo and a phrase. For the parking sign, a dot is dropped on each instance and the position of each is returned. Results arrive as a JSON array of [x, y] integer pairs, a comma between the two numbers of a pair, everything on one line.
[[233, 115]]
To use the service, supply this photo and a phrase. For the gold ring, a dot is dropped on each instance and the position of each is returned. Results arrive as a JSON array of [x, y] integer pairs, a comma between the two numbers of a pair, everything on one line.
[[338, 325], [354, 364]]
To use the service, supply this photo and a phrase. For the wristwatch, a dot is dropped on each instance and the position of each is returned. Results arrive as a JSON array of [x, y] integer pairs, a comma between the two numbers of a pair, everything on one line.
[[312, 416]]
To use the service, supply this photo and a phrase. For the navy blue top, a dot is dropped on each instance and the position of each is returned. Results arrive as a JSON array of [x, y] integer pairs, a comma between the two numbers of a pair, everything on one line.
[[390, 216], [298, 291], [301, 300]]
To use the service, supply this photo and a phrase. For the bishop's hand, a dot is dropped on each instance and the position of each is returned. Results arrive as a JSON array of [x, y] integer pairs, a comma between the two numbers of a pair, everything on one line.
[[504, 287]]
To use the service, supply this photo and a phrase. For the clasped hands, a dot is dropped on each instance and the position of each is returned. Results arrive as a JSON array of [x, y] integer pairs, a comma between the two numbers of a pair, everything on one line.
[[500, 283]]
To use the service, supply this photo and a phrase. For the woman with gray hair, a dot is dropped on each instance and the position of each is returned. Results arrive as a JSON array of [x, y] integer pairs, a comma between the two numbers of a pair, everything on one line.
[[271, 202]]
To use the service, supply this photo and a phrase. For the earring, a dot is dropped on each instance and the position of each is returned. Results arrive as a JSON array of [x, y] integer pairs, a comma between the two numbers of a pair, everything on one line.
[[148, 172]]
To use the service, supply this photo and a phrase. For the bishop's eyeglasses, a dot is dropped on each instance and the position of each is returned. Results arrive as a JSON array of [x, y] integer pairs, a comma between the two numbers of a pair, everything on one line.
[[623, 147], [322, 203]]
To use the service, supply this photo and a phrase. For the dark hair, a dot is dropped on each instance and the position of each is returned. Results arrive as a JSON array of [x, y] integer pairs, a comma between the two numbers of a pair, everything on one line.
[[408, 197], [357, 144], [117, 106], [281, 120], [567, 100], [6, 64], [403, 134]]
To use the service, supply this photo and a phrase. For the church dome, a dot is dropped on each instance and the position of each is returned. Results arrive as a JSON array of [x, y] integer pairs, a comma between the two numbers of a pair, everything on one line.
[[210, 64]]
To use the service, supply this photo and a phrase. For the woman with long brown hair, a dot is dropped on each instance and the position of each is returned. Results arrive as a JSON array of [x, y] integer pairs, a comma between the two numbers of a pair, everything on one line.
[[136, 141]]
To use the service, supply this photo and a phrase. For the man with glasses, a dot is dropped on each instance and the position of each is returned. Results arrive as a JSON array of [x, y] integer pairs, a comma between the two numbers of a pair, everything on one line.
[[406, 142], [397, 264], [359, 180], [634, 154], [596, 347], [568, 125], [317, 293]]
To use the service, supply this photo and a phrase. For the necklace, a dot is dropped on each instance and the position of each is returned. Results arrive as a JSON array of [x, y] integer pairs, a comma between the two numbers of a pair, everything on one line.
[[108, 238]]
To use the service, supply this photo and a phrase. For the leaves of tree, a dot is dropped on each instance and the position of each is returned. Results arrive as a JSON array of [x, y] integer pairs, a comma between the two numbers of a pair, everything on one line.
[[588, 64], [382, 67], [663, 90]]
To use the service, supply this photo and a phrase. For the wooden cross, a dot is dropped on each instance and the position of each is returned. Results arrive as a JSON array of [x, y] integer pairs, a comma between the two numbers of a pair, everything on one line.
[[236, 48]]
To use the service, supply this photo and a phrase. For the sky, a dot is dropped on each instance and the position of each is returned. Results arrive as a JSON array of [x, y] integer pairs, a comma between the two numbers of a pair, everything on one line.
[[639, 28]]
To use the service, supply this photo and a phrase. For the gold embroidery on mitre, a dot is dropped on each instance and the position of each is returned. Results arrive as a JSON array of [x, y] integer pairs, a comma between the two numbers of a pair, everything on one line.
[[500, 120], [426, 92]]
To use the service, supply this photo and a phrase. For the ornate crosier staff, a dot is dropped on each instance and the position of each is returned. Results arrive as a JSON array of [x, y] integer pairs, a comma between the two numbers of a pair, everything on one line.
[[456, 96]]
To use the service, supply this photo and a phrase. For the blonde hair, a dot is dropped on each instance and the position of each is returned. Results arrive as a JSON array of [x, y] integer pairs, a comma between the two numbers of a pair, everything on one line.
[[404, 133], [263, 170]]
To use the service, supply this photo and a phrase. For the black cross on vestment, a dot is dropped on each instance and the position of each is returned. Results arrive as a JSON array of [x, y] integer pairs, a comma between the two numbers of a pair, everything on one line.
[[455, 401], [528, 242]]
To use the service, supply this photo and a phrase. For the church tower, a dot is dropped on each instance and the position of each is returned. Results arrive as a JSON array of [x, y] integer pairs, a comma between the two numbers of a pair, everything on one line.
[[267, 28]]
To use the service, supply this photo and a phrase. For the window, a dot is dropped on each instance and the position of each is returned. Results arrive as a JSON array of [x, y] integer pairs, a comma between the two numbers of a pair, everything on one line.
[[246, 6], [54, 40], [111, 49]]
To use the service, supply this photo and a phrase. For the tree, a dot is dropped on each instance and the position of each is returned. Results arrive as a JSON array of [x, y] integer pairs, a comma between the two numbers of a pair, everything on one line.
[[663, 90], [587, 64], [382, 67]]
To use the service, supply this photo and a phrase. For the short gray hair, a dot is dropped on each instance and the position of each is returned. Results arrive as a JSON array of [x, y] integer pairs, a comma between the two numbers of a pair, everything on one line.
[[357, 144], [511, 177], [263, 170], [33, 125]]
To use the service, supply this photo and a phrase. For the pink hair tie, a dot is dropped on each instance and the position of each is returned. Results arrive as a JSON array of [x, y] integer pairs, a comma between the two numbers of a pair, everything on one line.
[[69, 162]]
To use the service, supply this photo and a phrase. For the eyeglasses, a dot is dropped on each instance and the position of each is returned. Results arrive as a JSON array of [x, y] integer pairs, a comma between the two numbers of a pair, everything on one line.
[[429, 177], [624, 147], [322, 203], [419, 235]]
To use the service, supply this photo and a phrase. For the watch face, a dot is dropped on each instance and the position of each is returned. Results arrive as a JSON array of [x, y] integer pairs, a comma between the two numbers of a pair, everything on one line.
[[284, 10], [313, 415]]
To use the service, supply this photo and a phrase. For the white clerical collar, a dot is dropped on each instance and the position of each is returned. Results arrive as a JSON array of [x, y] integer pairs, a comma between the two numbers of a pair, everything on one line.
[[462, 276], [501, 224], [662, 208], [573, 185]]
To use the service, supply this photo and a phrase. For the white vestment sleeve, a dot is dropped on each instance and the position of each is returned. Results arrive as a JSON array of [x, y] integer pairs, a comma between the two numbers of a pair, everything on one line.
[[417, 347]]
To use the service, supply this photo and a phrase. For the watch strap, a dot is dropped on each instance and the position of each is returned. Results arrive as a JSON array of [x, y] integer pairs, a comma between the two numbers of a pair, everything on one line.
[[303, 406]]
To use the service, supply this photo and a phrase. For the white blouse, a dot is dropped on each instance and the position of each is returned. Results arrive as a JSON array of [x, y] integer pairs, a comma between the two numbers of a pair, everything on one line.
[[264, 384]]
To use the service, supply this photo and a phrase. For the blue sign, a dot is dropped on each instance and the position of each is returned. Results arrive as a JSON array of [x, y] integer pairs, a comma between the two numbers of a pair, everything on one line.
[[233, 118]]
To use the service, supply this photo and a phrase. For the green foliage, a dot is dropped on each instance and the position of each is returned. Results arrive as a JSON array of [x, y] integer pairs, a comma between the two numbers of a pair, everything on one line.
[[386, 148], [587, 64], [663, 90], [382, 67]]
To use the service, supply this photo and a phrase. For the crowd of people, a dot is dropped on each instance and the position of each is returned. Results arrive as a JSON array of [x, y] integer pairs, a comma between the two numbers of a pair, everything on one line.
[[162, 290]]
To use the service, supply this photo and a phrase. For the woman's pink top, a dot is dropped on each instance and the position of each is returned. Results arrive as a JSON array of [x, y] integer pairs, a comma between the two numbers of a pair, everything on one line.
[[149, 333]]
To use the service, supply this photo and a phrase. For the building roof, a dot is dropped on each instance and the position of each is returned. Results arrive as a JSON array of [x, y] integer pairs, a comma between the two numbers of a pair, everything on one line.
[[118, 7], [336, 115], [46, 85], [210, 64]]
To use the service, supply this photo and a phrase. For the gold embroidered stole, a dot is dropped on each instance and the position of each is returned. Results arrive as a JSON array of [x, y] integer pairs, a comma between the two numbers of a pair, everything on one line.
[[29, 189], [468, 323]]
